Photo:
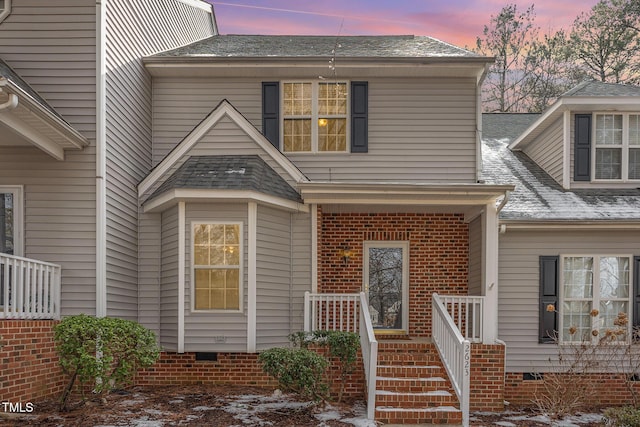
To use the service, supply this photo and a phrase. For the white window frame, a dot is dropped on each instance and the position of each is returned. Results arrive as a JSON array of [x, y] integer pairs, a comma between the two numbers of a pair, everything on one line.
[[6, 11], [624, 172], [192, 285], [314, 117], [18, 216], [595, 300]]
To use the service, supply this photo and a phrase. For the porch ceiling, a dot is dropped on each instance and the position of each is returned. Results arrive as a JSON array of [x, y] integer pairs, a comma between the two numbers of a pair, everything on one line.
[[418, 194]]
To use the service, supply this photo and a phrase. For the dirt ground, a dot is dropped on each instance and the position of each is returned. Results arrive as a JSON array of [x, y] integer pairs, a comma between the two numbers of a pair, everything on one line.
[[233, 406]]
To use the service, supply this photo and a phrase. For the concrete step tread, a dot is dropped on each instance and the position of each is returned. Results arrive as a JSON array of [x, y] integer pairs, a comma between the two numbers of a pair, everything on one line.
[[430, 409], [409, 393]]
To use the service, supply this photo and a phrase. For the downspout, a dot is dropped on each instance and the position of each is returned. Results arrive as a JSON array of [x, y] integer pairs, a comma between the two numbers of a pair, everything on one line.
[[502, 228], [479, 122], [101, 190]]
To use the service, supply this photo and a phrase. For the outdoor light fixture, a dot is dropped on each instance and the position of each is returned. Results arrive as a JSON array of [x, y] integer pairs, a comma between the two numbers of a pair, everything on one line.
[[346, 254], [322, 122]]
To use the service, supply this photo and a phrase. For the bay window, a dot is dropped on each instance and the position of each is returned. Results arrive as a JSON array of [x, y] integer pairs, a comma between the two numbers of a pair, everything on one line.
[[217, 255]]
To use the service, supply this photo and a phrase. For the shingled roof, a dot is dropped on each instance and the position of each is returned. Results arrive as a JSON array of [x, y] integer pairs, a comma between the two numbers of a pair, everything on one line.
[[537, 197], [595, 88], [254, 46], [229, 173]]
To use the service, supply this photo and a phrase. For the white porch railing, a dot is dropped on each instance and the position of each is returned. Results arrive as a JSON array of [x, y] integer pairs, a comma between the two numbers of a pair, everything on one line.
[[466, 313], [455, 352], [29, 289], [346, 312]]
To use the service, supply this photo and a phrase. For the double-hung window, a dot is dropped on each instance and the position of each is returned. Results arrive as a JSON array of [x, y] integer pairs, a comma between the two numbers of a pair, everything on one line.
[[595, 292], [314, 117], [217, 256], [617, 146]]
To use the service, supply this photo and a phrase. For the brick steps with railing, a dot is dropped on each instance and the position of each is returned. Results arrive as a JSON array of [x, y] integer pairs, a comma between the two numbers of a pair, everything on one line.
[[412, 386]]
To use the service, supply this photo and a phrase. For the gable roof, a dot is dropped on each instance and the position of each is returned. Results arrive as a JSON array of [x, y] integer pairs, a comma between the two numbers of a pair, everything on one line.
[[253, 46], [537, 197], [229, 173], [587, 96], [179, 153]]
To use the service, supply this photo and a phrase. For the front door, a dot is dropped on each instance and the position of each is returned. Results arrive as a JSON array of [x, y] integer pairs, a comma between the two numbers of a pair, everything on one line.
[[385, 283]]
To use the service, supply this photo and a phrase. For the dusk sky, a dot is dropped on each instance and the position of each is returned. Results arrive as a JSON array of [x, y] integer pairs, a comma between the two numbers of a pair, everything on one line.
[[455, 21]]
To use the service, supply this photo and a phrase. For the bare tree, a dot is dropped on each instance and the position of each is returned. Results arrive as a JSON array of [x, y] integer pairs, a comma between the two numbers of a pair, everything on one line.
[[509, 37], [605, 41]]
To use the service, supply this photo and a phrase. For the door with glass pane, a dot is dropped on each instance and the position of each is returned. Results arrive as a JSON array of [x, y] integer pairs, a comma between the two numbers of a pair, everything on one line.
[[385, 284]]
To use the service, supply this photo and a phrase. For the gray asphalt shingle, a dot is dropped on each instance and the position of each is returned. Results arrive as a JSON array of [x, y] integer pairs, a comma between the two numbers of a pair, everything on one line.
[[537, 196], [229, 173], [264, 46]]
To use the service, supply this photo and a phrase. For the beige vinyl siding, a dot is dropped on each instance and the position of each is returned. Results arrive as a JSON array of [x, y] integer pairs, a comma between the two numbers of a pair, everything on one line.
[[300, 267], [419, 129], [169, 281], [215, 331], [519, 284], [52, 46], [226, 138], [548, 150], [59, 220], [149, 262], [274, 281], [475, 256], [134, 29]]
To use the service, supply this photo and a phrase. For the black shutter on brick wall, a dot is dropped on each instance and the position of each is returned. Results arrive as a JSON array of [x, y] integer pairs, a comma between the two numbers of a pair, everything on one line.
[[271, 112], [582, 148], [359, 117], [548, 299]]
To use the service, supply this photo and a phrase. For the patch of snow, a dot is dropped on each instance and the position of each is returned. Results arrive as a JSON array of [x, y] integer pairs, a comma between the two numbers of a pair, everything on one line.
[[204, 408], [505, 424]]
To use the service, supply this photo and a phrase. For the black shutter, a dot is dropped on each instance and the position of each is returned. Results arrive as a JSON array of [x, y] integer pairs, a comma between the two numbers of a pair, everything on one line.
[[582, 150], [359, 117], [548, 298], [636, 292], [270, 112]]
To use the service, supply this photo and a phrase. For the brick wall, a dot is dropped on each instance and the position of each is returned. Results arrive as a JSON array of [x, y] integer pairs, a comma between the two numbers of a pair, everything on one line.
[[487, 377], [229, 368], [438, 255], [29, 361], [601, 389]]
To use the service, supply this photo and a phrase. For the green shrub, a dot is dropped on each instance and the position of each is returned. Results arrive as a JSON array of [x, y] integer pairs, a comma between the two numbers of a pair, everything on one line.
[[104, 351], [624, 416], [298, 370]]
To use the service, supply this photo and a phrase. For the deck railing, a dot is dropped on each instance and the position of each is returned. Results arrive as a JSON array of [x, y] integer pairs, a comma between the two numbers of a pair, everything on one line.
[[346, 312], [466, 313], [455, 352], [29, 289]]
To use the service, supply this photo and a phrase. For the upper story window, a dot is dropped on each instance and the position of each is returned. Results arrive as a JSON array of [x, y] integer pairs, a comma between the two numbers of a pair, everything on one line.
[[595, 297], [617, 146], [217, 255], [5, 9], [314, 117]]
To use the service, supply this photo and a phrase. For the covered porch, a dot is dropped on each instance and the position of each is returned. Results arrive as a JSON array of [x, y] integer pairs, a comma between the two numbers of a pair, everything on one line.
[[410, 268]]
